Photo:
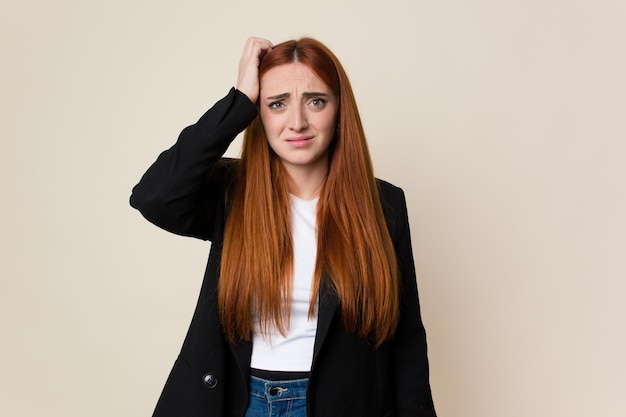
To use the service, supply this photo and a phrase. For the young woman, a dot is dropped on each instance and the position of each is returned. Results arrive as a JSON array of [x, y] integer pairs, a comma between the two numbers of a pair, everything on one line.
[[309, 304]]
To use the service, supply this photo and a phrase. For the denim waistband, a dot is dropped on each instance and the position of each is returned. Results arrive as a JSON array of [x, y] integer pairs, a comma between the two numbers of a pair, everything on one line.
[[278, 390]]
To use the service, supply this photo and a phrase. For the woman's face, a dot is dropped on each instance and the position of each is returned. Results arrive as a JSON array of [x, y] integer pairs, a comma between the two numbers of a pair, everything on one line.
[[299, 113]]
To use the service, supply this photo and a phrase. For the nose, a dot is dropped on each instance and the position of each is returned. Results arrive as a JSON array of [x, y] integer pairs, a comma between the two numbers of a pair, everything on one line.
[[297, 119]]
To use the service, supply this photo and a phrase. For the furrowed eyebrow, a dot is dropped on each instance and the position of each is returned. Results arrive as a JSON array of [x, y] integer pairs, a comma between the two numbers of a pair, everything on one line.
[[306, 95], [279, 96], [314, 94]]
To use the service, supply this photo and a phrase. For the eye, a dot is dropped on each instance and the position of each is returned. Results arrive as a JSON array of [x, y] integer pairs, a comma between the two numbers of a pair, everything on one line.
[[275, 105], [318, 103]]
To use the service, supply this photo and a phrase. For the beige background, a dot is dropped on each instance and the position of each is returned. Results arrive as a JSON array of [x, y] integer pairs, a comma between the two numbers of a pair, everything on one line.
[[502, 120]]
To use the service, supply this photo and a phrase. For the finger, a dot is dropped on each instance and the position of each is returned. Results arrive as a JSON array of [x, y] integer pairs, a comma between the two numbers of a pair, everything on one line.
[[255, 47], [247, 80]]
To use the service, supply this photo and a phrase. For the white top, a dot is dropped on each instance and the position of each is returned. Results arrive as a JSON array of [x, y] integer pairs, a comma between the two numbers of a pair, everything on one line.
[[294, 351]]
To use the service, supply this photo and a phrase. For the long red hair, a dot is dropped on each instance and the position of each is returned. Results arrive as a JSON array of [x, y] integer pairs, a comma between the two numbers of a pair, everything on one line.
[[354, 251]]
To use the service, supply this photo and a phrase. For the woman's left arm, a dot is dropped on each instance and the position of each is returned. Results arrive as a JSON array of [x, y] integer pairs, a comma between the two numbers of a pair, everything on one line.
[[411, 371]]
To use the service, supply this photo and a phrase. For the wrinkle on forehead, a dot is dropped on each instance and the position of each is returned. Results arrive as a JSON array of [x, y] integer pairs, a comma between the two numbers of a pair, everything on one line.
[[294, 77]]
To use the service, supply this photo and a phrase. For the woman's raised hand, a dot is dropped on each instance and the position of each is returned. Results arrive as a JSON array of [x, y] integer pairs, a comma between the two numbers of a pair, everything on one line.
[[248, 79]]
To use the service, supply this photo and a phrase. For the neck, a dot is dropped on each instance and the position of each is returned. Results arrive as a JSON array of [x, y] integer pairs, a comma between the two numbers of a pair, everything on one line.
[[306, 182]]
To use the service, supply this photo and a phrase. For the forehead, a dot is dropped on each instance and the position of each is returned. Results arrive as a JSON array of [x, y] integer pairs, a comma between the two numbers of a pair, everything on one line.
[[292, 76]]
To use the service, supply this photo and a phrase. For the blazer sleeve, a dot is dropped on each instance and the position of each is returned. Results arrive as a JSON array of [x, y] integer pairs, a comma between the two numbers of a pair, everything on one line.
[[411, 372], [182, 191]]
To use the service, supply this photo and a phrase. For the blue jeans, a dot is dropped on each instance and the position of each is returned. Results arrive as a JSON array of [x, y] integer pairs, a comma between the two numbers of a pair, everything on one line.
[[277, 398]]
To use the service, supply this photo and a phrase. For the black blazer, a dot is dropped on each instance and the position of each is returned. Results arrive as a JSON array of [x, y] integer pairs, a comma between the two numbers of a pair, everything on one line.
[[184, 192]]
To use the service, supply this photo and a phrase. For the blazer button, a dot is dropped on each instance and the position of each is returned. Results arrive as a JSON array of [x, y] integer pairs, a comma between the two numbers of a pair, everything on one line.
[[209, 380]]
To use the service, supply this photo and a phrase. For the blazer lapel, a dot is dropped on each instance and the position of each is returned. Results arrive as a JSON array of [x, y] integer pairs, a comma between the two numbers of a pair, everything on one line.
[[328, 305], [242, 353]]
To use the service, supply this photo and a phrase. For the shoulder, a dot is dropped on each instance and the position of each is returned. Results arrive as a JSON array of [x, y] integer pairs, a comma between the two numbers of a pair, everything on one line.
[[394, 207], [223, 174], [220, 180], [390, 195], [226, 169]]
